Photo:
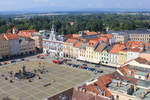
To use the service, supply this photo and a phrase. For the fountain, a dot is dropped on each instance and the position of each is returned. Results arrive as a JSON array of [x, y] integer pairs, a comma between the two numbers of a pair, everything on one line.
[[23, 74]]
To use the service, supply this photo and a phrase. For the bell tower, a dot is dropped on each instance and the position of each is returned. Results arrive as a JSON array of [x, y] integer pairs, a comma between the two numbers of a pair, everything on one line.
[[52, 34]]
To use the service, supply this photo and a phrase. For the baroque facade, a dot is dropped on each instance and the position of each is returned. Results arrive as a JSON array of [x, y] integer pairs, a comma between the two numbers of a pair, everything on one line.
[[52, 45]]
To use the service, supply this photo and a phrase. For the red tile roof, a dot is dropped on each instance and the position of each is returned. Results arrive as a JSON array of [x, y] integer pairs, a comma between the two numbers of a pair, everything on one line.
[[75, 35], [78, 44], [2, 36], [109, 36], [81, 94], [90, 33], [71, 40], [101, 84], [124, 69], [117, 48], [104, 39], [10, 36], [26, 33], [134, 44], [72, 36], [117, 76], [92, 42], [142, 61]]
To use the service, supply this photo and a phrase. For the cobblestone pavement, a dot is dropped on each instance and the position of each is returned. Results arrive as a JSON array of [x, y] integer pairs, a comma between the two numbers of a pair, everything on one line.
[[59, 77]]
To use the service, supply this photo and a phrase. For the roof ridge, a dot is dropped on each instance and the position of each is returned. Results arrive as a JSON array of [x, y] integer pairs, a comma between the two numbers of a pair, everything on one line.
[[5, 37]]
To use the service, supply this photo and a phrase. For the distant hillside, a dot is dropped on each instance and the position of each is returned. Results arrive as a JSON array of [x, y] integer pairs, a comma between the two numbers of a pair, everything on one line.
[[71, 10]]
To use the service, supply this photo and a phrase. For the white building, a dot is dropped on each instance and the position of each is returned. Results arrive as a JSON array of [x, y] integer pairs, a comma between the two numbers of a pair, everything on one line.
[[52, 45], [120, 37], [132, 55]]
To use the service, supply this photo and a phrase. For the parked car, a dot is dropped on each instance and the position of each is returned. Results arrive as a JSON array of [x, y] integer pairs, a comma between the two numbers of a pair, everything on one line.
[[97, 66], [22, 59], [84, 64], [42, 58], [91, 69], [38, 56], [99, 71], [5, 62], [76, 66], [86, 68], [56, 61], [13, 61], [82, 67], [69, 64]]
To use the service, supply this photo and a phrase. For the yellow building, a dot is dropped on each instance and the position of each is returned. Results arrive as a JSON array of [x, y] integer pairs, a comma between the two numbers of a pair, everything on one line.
[[122, 57], [68, 47], [4, 47], [91, 54], [38, 41]]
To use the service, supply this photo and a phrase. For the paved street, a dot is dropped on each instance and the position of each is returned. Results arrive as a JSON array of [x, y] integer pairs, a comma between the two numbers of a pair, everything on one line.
[[106, 69]]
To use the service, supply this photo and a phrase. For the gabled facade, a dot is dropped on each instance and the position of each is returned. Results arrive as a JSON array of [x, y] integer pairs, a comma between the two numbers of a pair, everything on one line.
[[4, 47], [26, 46], [76, 49], [105, 57], [90, 51], [82, 52], [13, 41], [69, 47]]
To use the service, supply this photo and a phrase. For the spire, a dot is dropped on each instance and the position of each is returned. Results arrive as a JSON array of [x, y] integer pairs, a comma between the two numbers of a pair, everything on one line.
[[52, 29], [14, 30], [52, 34]]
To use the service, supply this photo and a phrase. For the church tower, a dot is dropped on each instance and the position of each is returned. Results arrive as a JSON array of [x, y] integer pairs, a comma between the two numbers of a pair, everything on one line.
[[14, 30], [52, 34]]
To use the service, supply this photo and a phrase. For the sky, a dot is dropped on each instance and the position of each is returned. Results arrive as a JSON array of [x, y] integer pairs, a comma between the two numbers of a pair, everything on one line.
[[12, 5]]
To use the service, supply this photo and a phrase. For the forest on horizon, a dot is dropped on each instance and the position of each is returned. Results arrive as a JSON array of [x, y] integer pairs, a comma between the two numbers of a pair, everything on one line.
[[66, 24]]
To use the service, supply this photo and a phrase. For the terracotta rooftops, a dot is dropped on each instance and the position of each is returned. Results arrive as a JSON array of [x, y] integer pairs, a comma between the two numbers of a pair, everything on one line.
[[2, 37], [100, 85], [26, 33], [104, 39], [101, 47], [124, 69], [142, 61], [90, 33], [71, 40], [109, 36], [117, 48], [75, 35], [10, 36], [29, 31], [92, 42], [72, 36], [78, 44], [134, 44]]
